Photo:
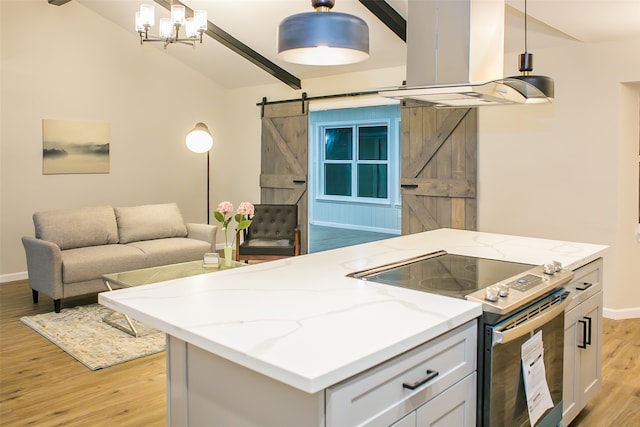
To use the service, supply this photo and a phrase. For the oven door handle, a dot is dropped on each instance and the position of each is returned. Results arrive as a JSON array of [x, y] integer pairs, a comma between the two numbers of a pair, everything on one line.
[[503, 337]]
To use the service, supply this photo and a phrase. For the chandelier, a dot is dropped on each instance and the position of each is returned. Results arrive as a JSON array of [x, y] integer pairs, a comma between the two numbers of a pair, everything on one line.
[[169, 28]]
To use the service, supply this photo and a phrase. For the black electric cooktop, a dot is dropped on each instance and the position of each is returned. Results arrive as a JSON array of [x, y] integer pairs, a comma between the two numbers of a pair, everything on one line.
[[446, 274]]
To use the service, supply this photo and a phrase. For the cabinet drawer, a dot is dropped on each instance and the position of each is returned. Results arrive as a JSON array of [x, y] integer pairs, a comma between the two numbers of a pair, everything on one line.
[[454, 407], [408, 421], [379, 396], [586, 283]]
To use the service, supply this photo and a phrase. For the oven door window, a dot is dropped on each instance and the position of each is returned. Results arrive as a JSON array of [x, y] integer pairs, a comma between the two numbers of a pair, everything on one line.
[[504, 382]]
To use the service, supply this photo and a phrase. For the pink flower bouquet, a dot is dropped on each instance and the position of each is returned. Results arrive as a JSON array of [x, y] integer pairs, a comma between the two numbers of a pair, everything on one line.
[[224, 215]]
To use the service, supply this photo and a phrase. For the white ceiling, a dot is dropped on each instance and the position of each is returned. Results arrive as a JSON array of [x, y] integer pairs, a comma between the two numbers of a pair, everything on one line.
[[255, 23]]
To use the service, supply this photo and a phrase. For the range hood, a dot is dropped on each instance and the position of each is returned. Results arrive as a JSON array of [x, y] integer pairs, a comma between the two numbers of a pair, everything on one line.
[[455, 56]]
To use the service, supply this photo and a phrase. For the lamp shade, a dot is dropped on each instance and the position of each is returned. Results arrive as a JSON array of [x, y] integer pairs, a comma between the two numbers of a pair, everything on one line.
[[165, 28], [199, 139], [537, 89], [147, 15], [323, 38], [543, 84]]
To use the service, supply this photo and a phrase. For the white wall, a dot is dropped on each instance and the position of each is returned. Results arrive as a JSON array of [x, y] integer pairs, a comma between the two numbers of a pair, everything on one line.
[[569, 170], [68, 63]]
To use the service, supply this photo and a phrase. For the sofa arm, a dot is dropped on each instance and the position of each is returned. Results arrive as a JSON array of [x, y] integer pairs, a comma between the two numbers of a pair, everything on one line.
[[204, 232], [44, 266]]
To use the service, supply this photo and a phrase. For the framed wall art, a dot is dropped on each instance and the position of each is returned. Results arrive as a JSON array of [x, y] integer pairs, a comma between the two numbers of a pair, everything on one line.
[[70, 147]]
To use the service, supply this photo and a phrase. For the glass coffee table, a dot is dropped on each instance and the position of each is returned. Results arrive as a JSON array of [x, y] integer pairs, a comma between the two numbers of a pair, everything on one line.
[[146, 276]]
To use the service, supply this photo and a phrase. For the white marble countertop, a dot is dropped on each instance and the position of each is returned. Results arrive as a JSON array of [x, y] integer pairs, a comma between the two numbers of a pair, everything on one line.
[[303, 322]]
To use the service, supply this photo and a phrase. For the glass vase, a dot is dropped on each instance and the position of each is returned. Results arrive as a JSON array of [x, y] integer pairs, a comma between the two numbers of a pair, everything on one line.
[[228, 253]]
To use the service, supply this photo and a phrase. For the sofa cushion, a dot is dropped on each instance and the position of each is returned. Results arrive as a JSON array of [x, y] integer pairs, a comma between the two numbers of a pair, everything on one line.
[[75, 228], [89, 263], [171, 251], [148, 222]]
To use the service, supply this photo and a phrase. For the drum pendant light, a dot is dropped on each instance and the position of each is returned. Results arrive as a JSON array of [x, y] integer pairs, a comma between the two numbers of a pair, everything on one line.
[[323, 37], [543, 86]]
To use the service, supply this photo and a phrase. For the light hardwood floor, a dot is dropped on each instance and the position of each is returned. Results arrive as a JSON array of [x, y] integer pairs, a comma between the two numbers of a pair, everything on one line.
[[40, 385]]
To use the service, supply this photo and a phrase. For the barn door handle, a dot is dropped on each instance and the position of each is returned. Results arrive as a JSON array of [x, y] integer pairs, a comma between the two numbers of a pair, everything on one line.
[[409, 186], [299, 181]]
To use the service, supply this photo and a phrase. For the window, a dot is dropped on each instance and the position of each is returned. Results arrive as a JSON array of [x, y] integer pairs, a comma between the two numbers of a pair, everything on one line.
[[356, 161], [338, 154]]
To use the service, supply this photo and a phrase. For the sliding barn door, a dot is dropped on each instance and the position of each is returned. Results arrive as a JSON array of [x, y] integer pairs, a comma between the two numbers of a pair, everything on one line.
[[439, 166], [284, 162]]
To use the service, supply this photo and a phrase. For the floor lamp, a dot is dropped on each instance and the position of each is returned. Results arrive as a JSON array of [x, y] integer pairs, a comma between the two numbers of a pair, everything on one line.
[[199, 140]]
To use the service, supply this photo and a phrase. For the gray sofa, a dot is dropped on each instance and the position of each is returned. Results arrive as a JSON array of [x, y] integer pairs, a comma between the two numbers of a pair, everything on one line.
[[73, 248]]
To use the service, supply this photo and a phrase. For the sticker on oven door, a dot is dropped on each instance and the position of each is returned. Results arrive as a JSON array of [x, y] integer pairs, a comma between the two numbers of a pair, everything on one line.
[[535, 380]]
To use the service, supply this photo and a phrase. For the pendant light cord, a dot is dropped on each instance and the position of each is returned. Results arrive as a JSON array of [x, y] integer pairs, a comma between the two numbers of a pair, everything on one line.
[[543, 84], [526, 48]]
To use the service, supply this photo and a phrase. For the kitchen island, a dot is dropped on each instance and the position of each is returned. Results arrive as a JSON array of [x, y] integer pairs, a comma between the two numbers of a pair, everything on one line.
[[265, 342]]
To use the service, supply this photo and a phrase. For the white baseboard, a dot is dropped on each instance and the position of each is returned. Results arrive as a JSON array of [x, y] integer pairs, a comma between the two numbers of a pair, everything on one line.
[[621, 313], [12, 277], [357, 227]]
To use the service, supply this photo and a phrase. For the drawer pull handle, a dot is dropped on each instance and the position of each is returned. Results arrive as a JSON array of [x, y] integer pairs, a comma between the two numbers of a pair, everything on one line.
[[584, 286], [430, 375], [587, 340], [584, 334]]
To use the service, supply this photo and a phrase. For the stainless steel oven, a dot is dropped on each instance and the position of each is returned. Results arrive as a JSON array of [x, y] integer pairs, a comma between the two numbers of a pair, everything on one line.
[[501, 392], [518, 301]]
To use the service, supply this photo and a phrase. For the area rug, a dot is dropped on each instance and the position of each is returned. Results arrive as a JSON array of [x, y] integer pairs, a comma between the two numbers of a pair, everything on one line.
[[82, 333]]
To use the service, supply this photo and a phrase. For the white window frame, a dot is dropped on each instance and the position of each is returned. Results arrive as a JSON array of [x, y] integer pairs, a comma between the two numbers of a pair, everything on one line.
[[355, 125]]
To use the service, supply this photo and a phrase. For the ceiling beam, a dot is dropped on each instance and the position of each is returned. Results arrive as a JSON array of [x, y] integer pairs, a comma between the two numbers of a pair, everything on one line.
[[58, 2], [388, 15], [240, 48]]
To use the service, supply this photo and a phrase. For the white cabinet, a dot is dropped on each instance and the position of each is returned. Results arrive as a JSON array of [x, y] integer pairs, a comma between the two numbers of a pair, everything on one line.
[[437, 378], [433, 384], [408, 421], [582, 340], [454, 407]]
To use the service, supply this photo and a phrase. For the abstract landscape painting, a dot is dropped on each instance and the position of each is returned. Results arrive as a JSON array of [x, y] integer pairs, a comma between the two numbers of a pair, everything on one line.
[[75, 147]]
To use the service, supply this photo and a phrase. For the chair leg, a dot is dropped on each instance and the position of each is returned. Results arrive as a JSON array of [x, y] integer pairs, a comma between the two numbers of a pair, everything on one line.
[[57, 305], [34, 294]]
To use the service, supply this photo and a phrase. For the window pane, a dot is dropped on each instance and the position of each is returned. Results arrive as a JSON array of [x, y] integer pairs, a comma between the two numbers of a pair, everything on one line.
[[372, 181], [372, 143], [338, 143], [337, 179]]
